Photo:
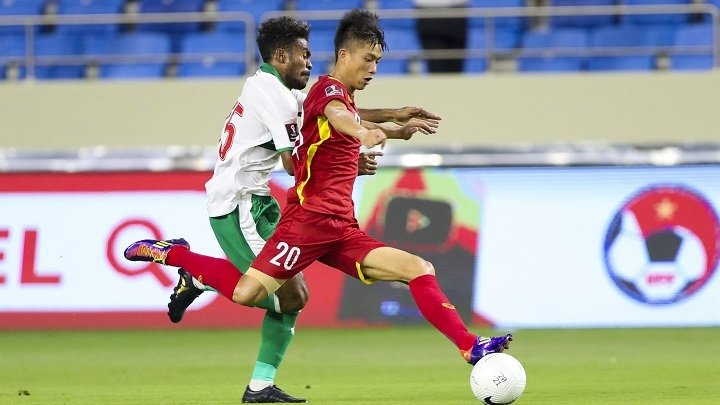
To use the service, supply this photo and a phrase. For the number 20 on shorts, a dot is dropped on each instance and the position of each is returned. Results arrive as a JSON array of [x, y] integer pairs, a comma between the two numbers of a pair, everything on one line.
[[290, 255]]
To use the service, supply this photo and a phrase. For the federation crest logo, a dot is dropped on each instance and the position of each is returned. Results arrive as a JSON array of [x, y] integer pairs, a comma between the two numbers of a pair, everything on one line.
[[662, 245], [333, 90]]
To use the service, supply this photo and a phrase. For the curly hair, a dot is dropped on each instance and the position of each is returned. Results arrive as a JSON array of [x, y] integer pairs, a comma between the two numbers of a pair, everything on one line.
[[359, 26], [280, 32]]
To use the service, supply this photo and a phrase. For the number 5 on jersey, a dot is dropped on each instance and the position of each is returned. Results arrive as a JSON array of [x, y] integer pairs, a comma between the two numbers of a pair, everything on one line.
[[229, 133], [288, 255]]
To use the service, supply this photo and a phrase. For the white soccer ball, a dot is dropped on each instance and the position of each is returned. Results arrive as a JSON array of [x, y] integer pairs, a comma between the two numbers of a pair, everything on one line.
[[497, 378]]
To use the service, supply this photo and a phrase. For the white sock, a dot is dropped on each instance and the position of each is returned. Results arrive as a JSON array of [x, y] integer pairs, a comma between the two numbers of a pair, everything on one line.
[[258, 385], [198, 284]]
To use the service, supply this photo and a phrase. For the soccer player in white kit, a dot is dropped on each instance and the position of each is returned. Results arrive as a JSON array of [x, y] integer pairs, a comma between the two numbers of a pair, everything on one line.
[[258, 133]]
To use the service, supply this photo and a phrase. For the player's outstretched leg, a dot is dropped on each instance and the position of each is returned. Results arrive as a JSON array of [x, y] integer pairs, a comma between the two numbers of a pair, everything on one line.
[[183, 295], [220, 274], [270, 395], [484, 346]]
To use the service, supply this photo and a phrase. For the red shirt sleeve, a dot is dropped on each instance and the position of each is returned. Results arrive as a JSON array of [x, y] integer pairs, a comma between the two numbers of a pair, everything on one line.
[[326, 90]]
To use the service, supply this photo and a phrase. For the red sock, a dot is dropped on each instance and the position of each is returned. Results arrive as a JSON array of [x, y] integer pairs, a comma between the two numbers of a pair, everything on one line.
[[219, 274], [438, 310]]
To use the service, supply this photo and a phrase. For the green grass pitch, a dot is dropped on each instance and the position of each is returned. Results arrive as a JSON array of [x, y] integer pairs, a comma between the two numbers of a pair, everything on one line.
[[407, 365]]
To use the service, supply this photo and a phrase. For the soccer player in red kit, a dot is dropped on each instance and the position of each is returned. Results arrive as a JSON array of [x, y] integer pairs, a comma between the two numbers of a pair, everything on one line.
[[318, 222]]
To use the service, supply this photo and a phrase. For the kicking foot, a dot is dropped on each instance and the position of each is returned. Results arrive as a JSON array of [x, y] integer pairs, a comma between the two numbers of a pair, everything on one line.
[[150, 250], [484, 346]]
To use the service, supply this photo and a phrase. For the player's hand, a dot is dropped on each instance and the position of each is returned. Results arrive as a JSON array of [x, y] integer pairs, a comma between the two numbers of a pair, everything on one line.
[[367, 165], [405, 114], [407, 130], [374, 137]]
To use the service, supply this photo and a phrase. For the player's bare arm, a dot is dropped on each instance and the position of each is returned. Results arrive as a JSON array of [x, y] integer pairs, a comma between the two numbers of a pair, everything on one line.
[[286, 158], [406, 130], [405, 114], [397, 115], [344, 121]]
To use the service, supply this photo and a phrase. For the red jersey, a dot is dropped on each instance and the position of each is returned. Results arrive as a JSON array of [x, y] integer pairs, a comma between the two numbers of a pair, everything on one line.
[[325, 160]]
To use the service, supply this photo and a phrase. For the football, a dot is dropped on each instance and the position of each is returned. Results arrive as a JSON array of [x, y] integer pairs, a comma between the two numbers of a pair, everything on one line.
[[497, 378]]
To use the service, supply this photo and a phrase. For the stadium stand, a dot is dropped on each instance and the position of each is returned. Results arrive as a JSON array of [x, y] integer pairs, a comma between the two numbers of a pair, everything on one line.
[[581, 21], [692, 36], [19, 8], [59, 46], [405, 42], [257, 8], [325, 5], [403, 23], [77, 7], [503, 42], [223, 44], [612, 41], [150, 49], [567, 38], [12, 51], [668, 19], [626, 36]]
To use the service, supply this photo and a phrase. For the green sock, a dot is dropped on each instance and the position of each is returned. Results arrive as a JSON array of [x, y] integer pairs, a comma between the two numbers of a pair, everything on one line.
[[277, 332]]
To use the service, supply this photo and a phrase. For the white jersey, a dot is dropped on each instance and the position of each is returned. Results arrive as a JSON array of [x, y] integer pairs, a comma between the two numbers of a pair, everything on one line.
[[262, 124]]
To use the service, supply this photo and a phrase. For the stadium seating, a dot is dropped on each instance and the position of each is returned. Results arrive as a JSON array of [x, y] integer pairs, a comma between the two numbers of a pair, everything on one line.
[[229, 44], [325, 5], [19, 7], [402, 41], [624, 38], [323, 49], [503, 42], [693, 36], [57, 46], [138, 45], [12, 51], [505, 23], [659, 18], [559, 39], [581, 21], [257, 8], [404, 23], [633, 42], [77, 7], [171, 6]]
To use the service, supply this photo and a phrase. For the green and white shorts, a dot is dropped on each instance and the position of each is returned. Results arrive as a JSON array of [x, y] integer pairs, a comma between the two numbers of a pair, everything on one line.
[[243, 232]]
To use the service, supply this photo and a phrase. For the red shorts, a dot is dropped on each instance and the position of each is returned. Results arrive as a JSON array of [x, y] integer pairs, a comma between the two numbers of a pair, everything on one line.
[[303, 236]]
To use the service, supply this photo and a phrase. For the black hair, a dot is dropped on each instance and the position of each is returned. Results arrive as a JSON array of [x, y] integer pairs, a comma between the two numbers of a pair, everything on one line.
[[359, 26], [280, 32]]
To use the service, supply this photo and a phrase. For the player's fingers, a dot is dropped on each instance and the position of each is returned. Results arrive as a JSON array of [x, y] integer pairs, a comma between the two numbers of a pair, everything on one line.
[[427, 121], [426, 129], [427, 114]]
